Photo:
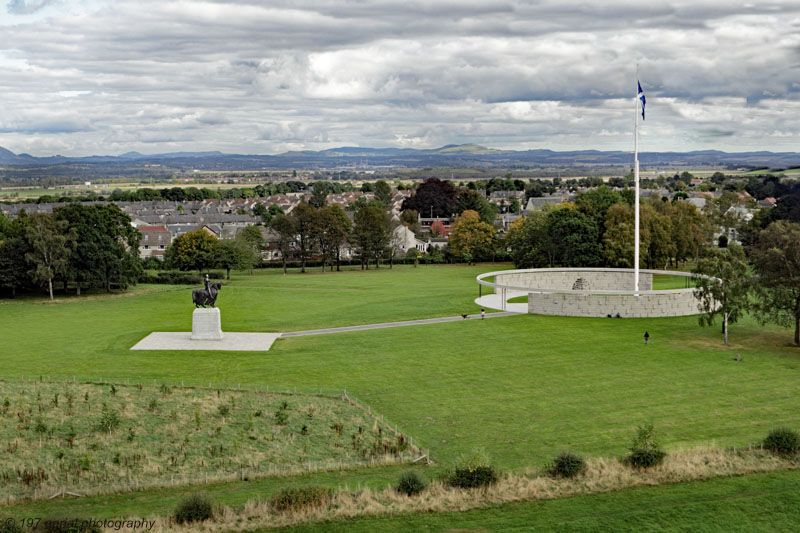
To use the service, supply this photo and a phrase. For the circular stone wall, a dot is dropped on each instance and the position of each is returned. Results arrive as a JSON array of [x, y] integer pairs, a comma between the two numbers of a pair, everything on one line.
[[591, 292]]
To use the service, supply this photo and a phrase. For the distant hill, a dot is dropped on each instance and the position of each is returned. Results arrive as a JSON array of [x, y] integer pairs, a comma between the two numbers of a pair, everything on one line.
[[464, 155]]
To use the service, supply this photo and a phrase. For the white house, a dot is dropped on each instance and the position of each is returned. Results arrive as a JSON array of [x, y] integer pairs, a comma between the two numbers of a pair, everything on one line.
[[403, 239]]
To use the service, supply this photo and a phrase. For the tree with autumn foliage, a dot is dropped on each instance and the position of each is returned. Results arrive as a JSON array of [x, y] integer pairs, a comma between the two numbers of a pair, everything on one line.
[[470, 237], [194, 250]]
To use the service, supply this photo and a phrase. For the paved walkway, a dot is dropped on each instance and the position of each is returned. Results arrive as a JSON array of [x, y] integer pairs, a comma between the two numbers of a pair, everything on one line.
[[394, 324], [495, 301]]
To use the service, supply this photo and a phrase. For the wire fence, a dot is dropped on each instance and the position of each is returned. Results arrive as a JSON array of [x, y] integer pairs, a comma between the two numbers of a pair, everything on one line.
[[415, 452]]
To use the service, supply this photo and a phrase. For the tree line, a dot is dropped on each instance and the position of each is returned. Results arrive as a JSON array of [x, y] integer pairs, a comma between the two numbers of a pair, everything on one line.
[[88, 246]]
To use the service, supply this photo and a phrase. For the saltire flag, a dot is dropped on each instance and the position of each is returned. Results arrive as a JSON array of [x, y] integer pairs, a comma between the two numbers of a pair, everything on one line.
[[641, 97]]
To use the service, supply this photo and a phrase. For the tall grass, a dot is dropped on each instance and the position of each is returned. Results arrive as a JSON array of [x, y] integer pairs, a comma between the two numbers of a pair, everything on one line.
[[601, 475]]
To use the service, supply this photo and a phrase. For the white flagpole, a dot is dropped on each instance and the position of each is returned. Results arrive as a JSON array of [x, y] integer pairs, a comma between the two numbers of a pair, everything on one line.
[[636, 183]]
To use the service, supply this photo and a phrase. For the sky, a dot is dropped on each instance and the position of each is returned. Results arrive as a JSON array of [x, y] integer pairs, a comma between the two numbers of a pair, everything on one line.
[[94, 77]]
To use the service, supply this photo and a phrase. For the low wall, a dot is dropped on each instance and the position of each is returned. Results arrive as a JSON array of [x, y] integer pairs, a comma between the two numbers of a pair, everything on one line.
[[593, 292], [627, 305], [564, 279]]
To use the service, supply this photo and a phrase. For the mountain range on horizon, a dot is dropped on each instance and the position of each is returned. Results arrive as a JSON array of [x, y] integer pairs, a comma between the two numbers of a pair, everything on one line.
[[464, 155]]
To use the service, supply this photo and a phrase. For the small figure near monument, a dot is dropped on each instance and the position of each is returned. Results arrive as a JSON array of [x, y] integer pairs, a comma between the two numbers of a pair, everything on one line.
[[207, 296]]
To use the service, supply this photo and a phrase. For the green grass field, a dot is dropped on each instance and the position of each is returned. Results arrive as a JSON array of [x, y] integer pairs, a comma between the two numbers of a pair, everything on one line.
[[522, 387]]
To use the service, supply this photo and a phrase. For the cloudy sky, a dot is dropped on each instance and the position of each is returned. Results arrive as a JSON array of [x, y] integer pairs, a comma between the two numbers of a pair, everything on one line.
[[82, 77]]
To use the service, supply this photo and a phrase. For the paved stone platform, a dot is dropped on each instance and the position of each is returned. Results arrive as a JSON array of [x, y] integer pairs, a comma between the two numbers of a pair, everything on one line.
[[231, 342]]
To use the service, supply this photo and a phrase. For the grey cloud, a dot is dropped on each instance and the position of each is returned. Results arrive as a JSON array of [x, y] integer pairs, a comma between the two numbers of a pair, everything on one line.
[[256, 77]]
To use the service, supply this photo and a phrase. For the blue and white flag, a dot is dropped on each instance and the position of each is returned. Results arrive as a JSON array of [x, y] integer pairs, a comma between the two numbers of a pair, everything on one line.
[[641, 97]]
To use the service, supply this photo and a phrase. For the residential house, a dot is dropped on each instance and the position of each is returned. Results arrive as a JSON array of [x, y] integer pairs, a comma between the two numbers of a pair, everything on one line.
[[155, 240]]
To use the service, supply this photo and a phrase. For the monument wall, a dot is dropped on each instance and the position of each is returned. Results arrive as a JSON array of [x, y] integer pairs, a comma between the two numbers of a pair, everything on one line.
[[565, 278], [661, 304]]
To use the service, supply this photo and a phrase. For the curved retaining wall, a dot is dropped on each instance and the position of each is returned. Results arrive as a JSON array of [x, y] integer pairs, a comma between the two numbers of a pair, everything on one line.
[[599, 279], [627, 305], [605, 292]]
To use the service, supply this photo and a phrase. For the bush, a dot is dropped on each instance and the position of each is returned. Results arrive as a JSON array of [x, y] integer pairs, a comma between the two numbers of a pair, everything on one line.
[[295, 499], [782, 441], [281, 418], [195, 508], [109, 420], [566, 464], [411, 483], [473, 470], [466, 478], [645, 450]]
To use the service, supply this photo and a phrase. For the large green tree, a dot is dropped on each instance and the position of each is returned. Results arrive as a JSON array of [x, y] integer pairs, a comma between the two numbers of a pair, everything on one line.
[[331, 228], [467, 199], [690, 231], [286, 230], [383, 192], [370, 234], [776, 258], [618, 245], [191, 251], [656, 247], [304, 217], [13, 247], [529, 241], [50, 243], [596, 202], [723, 285], [235, 253], [106, 247], [319, 192], [572, 239]]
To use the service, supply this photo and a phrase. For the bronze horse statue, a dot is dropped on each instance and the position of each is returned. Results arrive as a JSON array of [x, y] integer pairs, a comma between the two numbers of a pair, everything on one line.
[[204, 297]]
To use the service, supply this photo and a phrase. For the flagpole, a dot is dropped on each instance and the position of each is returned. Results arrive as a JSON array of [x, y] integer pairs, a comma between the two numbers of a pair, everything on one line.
[[636, 184]]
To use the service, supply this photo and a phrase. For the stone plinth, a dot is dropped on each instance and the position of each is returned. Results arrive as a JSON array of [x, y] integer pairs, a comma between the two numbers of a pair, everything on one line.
[[206, 324]]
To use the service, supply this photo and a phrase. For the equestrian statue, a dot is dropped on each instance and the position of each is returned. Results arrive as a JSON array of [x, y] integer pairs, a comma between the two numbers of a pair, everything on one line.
[[207, 296]]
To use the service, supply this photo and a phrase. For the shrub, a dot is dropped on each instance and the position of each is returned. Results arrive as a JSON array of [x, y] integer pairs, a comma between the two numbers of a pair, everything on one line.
[[645, 450], [224, 410], [109, 420], [411, 483], [473, 470], [295, 499], [281, 418], [782, 441], [566, 465], [194, 508], [466, 478]]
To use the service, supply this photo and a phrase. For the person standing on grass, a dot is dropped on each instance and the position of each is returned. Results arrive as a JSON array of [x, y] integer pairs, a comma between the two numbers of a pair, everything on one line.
[[483, 313], [646, 337]]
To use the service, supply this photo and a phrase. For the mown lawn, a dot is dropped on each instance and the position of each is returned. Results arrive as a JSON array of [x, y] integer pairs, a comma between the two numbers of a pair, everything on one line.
[[522, 387]]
